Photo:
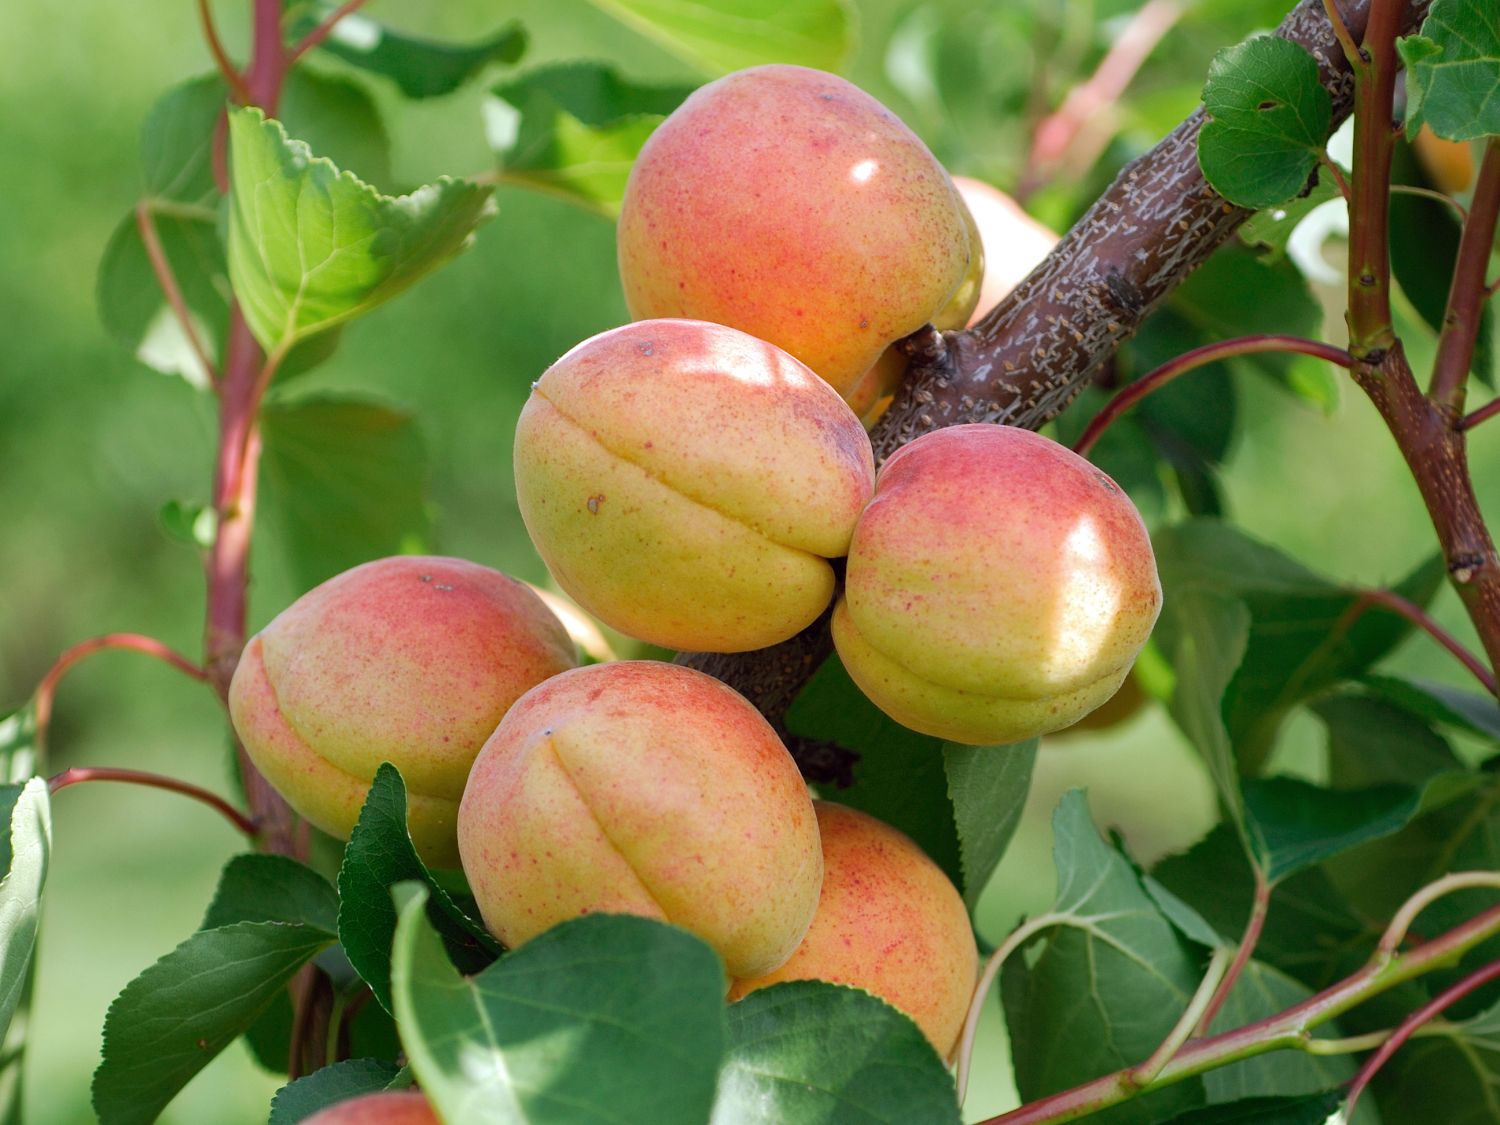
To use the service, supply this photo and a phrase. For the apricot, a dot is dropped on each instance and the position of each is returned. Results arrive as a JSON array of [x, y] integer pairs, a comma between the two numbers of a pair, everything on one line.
[[790, 204], [391, 1107], [411, 660], [888, 921], [687, 484], [643, 788], [1449, 164], [1009, 244], [998, 587], [1013, 242]]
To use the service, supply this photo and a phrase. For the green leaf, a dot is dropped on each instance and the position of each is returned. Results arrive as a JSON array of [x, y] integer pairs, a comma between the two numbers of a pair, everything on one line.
[[961, 804], [718, 36], [1259, 992], [1269, 119], [1269, 230], [1268, 1109], [574, 130], [272, 888], [311, 247], [1452, 1078], [27, 848], [808, 1052], [1239, 293], [420, 67], [1309, 923], [1205, 634], [18, 748], [299, 1100], [1103, 986], [345, 481], [192, 525], [1293, 651], [380, 854], [179, 191], [177, 142], [1466, 711], [1453, 71], [176, 1016], [988, 786], [1295, 824], [605, 1018], [338, 120], [1373, 740]]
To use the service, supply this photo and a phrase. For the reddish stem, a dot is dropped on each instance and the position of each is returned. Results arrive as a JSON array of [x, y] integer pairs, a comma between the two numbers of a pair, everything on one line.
[[1199, 357], [145, 221], [79, 774], [232, 77], [1487, 411], [1389, 599], [132, 642], [1369, 229], [268, 58], [1259, 908], [1467, 292], [1408, 1026], [1285, 1029], [324, 29]]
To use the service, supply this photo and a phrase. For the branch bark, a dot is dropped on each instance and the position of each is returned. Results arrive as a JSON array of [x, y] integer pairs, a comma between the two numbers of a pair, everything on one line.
[[1026, 361]]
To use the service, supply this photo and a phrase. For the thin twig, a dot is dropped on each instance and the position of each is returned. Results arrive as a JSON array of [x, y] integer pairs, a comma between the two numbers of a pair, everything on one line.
[[1389, 599], [1073, 135], [1018, 937], [1401, 922], [1435, 196], [1408, 1027], [1466, 295], [232, 77], [1485, 412], [79, 774], [1338, 175], [324, 29], [1260, 906], [145, 221], [46, 690], [1199, 357], [1341, 33], [1192, 1016]]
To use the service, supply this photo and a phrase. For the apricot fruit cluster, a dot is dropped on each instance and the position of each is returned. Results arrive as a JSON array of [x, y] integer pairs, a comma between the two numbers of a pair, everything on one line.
[[693, 480]]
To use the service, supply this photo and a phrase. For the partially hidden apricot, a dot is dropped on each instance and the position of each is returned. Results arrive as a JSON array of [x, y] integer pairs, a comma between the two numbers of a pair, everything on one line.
[[411, 660], [890, 922], [643, 788]]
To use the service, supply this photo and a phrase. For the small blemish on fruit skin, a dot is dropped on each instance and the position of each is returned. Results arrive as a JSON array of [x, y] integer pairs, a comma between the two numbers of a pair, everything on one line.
[[594, 502]]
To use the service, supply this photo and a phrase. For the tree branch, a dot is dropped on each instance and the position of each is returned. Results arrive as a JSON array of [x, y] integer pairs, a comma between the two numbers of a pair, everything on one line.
[[1433, 446], [1467, 292], [1028, 358]]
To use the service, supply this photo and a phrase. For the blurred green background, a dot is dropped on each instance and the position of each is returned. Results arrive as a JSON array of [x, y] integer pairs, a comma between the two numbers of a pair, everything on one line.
[[92, 445]]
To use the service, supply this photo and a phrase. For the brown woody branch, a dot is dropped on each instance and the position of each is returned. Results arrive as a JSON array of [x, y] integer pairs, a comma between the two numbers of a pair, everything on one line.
[[1024, 363]]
